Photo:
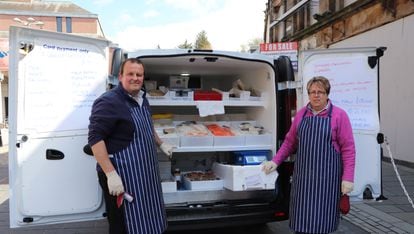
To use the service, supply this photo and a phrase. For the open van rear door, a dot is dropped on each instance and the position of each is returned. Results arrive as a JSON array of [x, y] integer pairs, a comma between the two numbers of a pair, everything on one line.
[[353, 74], [54, 79]]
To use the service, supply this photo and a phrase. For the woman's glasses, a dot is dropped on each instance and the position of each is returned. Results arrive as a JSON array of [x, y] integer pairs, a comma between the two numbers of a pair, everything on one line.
[[316, 93]]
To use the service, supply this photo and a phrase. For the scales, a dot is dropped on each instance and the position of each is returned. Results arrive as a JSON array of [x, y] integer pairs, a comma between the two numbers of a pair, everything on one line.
[[250, 157]]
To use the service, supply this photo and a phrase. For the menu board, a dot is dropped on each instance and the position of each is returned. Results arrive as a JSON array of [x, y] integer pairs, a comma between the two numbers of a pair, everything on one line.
[[354, 85], [58, 82]]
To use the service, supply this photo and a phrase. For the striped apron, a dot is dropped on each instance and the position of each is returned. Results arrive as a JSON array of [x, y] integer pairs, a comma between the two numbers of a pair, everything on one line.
[[316, 178], [137, 165]]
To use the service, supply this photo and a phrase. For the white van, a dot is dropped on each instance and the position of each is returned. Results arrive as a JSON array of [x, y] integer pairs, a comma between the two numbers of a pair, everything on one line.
[[55, 77]]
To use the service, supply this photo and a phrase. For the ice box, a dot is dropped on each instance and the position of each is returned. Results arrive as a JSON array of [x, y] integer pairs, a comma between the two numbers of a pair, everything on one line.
[[241, 178]]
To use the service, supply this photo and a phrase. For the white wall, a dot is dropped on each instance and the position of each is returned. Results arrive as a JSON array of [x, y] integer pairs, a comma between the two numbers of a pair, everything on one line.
[[396, 82]]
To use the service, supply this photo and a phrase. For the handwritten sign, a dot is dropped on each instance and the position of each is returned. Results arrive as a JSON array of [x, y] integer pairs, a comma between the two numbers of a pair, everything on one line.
[[59, 82], [354, 86]]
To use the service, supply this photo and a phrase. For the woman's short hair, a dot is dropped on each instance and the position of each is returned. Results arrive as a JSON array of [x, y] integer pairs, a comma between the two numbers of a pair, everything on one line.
[[322, 81]]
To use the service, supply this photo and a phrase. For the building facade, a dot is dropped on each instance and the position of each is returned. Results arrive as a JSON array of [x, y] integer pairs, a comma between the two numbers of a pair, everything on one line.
[[363, 23], [57, 16]]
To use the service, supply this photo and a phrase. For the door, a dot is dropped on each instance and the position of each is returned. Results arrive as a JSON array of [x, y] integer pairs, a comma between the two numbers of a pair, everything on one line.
[[54, 79], [353, 74]]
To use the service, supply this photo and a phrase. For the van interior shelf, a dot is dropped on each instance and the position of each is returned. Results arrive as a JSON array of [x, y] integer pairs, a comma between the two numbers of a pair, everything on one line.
[[221, 148], [230, 102]]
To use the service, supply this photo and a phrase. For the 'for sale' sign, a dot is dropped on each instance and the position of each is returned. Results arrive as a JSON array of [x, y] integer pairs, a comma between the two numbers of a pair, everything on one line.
[[277, 49]]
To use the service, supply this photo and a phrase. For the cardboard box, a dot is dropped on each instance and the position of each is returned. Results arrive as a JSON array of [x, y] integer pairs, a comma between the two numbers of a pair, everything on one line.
[[240, 178]]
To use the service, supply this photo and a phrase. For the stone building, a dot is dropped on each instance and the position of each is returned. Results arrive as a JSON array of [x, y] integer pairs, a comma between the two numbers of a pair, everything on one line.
[[362, 23]]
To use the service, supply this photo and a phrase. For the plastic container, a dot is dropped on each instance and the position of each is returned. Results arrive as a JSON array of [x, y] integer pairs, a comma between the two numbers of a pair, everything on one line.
[[258, 140], [207, 95], [203, 185], [169, 186], [196, 141], [244, 95], [177, 178]]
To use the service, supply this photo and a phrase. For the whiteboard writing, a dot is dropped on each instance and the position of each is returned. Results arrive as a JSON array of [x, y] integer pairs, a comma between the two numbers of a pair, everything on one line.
[[353, 86], [61, 80]]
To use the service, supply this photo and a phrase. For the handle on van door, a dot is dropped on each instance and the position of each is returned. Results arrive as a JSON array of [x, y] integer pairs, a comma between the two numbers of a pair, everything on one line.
[[87, 150], [52, 154]]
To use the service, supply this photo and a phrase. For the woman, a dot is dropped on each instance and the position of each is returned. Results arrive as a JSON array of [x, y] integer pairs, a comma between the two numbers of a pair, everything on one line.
[[321, 136]]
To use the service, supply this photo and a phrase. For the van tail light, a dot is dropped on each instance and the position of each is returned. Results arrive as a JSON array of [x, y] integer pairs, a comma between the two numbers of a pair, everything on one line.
[[280, 214]]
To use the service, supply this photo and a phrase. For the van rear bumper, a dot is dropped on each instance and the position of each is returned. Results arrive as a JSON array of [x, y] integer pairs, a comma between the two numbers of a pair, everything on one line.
[[223, 215]]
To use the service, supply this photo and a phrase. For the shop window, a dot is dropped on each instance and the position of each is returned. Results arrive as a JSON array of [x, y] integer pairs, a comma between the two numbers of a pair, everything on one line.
[[59, 24], [69, 24]]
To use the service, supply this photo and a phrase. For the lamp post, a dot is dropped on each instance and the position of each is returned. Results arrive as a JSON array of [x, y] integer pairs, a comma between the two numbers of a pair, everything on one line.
[[29, 21]]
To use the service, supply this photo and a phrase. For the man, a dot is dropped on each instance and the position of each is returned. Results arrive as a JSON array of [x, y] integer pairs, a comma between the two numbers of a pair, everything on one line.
[[123, 141]]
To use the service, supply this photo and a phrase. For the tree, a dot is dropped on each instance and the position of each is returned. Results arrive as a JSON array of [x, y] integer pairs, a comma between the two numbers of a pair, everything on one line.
[[185, 45], [244, 48], [202, 41], [255, 43], [252, 45]]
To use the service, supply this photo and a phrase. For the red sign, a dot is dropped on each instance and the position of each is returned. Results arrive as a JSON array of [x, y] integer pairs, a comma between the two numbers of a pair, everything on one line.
[[4, 52], [278, 46], [277, 49]]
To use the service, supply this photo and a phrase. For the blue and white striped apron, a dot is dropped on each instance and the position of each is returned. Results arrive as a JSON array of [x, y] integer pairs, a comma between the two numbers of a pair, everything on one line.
[[138, 167], [316, 178]]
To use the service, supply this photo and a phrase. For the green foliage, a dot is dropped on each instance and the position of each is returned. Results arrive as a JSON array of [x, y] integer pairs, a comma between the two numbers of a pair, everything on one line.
[[185, 45], [252, 45], [202, 41]]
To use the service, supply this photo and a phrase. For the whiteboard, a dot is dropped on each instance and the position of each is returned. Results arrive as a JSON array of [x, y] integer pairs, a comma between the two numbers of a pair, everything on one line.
[[354, 85], [354, 88], [58, 82]]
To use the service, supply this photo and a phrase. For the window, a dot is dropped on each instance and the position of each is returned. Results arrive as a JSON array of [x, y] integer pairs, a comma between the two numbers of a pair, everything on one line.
[[58, 24], [289, 26], [300, 18], [69, 24], [6, 107], [332, 6]]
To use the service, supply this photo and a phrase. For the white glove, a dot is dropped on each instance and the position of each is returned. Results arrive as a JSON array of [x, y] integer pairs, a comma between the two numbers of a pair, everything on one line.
[[167, 149], [115, 185], [269, 166], [347, 187]]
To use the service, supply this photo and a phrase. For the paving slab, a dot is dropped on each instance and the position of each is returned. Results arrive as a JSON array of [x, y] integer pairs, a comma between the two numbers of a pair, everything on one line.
[[394, 215]]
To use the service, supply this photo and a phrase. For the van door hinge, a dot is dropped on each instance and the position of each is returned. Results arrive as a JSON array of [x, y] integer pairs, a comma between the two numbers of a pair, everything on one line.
[[24, 138], [26, 47], [289, 85]]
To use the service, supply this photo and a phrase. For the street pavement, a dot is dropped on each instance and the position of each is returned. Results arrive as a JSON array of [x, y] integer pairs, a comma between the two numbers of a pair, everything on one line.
[[393, 215]]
